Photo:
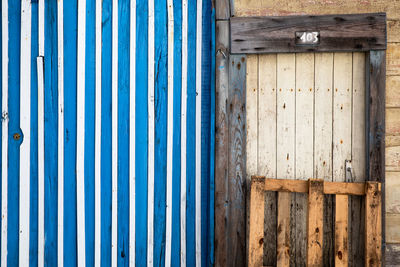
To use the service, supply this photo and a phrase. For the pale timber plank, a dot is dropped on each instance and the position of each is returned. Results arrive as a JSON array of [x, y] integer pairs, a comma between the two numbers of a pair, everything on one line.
[[392, 193], [341, 230], [256, 227], [285, 149], [341, 113], [304, 146], [373, 224], [358, 158], [393, 91], [267, 147], [392, 228], [315, 223]]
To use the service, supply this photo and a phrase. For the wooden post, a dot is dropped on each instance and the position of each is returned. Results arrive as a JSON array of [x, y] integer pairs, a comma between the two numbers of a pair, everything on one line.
[[341, 230], [283, 231], [373, 224], [315, 222], [256, 225]]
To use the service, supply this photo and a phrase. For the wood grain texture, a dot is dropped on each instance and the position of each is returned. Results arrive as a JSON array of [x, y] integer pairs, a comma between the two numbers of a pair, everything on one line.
[[391, 141], [267, 147], [304, 147], [236, 246], [393, 59], [392, 192], [315, 223], [285, 154], [392, 255], [358, 161], [222, 9], [361, 32], [221, 141], [392, 228], [392, 158], [341, 230], [373, 224], [393, 91], [301, 7], [256, 225], [375, 69]]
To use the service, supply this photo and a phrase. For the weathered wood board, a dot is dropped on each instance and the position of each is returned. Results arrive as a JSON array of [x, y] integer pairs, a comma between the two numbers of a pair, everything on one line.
[[393, 59], [393, 193], [392, 227], [361, 32], [393, 91]]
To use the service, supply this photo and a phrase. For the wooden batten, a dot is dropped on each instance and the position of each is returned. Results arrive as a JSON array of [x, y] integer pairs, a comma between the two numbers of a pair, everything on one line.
[[355, 32], [315, 228], [373, 224], [341, 231]]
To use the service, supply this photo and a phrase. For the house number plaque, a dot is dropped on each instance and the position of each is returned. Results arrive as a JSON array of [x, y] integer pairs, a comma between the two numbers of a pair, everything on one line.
[[307, 38]]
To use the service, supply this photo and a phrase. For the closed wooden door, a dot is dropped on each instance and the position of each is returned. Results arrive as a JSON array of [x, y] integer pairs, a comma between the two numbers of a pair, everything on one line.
[[306, 119]]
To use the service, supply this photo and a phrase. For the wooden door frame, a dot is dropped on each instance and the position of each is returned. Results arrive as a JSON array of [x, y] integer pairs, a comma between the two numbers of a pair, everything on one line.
[[231, 183]]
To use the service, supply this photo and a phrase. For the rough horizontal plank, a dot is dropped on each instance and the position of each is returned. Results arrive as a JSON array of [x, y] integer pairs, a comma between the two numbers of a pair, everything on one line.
[[392, 141], [301, 7], [393, 158], [392, 192], [301, 186], [392, 255], [393, 227], [393, 121], [393, 91], [393, 58], [393, 27], [361, 32]]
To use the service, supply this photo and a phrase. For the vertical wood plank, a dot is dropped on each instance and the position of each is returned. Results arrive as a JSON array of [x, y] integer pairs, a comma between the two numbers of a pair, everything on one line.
[[373, 224], [256, 226], [315, 223], [221, 141], [267, 147], [251, 122], [304, 146], [323, 142], [358, 158], [285, 149], [236, 159], [222, 9], [341, 114], [341, 232]]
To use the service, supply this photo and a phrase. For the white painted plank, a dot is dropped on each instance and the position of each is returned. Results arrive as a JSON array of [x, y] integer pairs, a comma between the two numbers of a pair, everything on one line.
[[267, 116], [323, 116], [198, 130], [285, 116], [304, 160], [285, 154], [4, 136], [170, 119], [342, 79], [114, 145], [25, 119], [41, 28], [60, 42], [132, 131], [251, 115], [97, 160], [80, 129], [40, 74], [184, 129], [151, 125], [358, 118]]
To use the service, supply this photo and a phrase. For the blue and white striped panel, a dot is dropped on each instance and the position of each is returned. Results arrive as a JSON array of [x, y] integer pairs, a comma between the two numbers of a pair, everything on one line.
[[107, 133]]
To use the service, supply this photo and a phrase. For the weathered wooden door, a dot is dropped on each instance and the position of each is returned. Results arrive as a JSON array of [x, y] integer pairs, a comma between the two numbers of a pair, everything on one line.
[[306, 118]]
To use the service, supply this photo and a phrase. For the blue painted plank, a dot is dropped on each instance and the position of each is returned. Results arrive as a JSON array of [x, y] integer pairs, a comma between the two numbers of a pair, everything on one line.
[[205, 128], [14, 16], [176, 159], [50, 133], [70, 61], [191, 135], [123, 132], [160, 157], [90, 50], [33, 220], [106, 134], [210, 242], [141, 132]]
